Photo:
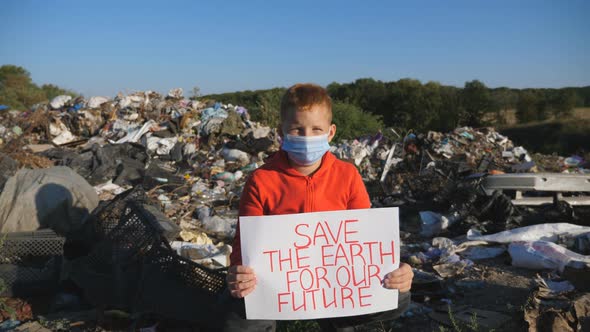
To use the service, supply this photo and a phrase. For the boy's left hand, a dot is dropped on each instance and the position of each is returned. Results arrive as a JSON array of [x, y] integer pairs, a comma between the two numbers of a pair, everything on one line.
[[399, 279]]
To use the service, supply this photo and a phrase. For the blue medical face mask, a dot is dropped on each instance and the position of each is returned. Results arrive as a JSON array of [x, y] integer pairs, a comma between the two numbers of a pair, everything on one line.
[[306, 150]]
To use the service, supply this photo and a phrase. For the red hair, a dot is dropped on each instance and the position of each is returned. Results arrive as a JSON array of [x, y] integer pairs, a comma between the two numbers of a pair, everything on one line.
[[303, 96]]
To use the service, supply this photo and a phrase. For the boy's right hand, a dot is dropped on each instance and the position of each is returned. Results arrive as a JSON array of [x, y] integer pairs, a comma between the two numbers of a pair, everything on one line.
[[241, 280]]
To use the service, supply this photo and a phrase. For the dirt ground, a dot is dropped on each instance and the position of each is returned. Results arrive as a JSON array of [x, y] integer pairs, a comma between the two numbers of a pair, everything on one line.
[[491, 285]]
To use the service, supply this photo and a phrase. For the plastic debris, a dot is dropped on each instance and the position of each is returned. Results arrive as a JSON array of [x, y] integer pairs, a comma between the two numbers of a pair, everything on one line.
[[555, 306], [543, 232], [59, 101], [433, 223], [96, 102], [193, 158], [543, 255]]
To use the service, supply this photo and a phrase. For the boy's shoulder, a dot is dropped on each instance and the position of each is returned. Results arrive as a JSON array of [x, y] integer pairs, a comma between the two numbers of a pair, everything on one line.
[[272, 164], [342, 164]]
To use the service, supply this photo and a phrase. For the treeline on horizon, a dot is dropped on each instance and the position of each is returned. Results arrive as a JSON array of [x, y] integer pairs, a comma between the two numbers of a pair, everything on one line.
[[367, 105], [18, 91], [410, 104]]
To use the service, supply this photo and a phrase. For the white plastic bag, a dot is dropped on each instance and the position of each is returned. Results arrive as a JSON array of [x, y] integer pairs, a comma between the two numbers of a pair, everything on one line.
[[95, 102], [175, 93], [235, 155], [542, 232], [434, 223], [65, 137], [59, 101], [543, 255], [134, 134]]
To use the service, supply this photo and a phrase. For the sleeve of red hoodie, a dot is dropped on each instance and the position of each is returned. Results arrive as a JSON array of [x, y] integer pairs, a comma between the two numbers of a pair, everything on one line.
[[359, 198], [250, 205]]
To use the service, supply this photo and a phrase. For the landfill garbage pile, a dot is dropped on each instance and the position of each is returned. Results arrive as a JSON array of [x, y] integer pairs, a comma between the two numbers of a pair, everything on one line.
[[192, 159], [182, 151]]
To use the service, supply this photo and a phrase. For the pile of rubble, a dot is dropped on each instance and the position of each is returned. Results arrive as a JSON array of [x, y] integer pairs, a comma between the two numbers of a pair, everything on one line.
[[192, 158]]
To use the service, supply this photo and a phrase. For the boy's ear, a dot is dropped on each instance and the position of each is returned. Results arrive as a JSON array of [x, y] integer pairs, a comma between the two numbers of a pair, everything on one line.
[[332, 132], [280, 131]]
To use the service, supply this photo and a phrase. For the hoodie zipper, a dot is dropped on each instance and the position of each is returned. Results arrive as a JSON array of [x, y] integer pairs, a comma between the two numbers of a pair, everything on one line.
[[309, 189]]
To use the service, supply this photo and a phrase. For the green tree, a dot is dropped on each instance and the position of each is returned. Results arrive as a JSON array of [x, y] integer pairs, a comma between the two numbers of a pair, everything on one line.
[[408, 103], [526, 107], [51, 91], [268, 108], [504, 99], [16, 87], [476, 102], [405, 105], [448, 117], [18, 91], [340, 92], [12, 70], [368, 94], [414, 102], [562, 105], [433, 104], [542, 109], [352, 122]]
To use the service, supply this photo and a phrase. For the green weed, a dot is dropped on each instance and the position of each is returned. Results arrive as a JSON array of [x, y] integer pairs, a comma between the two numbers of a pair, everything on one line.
[[458, 326]]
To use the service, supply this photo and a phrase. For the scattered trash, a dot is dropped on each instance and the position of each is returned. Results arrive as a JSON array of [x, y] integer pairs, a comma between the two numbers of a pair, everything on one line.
[[207, 254], [543, 255], [15, 310], [96, 102], [56, 198], [543, 232], [481, 252], [433, 223], [551, 287], [9, 325], [59, 101], [32, 327], [555, 306], [179, 166]]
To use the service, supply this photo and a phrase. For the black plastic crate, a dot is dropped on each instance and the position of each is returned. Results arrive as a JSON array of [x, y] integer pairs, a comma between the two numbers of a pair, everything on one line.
[[134, 268], [107, 215], [109, 274], [30, 262], [178, 288]]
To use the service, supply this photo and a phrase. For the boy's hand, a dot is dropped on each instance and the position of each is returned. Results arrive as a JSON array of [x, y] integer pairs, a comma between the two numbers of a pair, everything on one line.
[[241, 280], [399, 279]]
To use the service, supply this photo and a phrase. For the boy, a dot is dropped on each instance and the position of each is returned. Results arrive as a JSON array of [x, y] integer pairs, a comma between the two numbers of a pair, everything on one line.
[[301, 177]]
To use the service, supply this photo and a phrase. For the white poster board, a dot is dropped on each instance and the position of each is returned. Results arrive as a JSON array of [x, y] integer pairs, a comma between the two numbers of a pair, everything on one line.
[[320, 264]]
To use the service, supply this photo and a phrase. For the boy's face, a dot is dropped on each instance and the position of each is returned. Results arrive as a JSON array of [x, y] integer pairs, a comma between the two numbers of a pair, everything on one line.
[[313, 122]]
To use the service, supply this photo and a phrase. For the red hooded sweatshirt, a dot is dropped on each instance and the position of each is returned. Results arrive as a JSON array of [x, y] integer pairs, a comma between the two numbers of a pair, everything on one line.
[[277, 188]]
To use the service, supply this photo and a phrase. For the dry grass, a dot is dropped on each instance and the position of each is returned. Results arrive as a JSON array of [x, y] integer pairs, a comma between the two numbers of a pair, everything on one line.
[[582, 113], [510, 120], [564, 136], [29, 160]]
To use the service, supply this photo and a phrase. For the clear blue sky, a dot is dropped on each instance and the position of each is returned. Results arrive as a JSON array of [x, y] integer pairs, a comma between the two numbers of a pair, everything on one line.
[[102, 47]]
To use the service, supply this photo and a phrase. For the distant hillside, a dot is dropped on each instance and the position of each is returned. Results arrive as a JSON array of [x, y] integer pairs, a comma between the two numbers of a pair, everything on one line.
[[542, 120], [17, 90], [411, 104], [563, 136]]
